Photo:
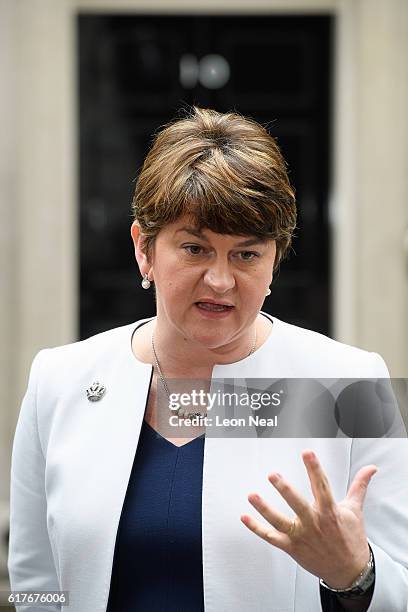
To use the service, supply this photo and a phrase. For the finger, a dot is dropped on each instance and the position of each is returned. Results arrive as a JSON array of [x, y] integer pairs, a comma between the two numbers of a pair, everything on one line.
[[275, 518], [359, 486], [318, 480], [269, 534], [300, 506]]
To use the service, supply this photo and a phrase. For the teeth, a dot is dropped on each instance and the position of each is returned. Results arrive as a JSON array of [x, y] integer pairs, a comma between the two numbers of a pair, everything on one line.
[[207, 306]]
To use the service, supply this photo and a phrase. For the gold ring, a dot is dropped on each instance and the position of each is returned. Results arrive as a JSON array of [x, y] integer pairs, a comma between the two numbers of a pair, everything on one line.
[[292, 529]]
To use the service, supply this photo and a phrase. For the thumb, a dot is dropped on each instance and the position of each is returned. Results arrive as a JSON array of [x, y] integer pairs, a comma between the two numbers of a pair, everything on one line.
[[358, 488]]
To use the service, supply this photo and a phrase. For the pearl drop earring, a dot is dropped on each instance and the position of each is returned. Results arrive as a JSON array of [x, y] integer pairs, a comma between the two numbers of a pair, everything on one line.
[[145, 282], [268, 292]]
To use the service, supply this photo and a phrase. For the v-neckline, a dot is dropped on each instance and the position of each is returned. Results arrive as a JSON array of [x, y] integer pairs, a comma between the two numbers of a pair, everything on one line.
[[158, 435]]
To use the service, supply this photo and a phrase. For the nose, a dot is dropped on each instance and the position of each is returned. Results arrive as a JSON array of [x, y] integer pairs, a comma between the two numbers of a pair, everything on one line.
[[219, 277]]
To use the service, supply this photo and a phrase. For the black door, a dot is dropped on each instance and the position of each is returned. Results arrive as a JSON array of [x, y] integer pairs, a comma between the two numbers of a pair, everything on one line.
[[135, 73]]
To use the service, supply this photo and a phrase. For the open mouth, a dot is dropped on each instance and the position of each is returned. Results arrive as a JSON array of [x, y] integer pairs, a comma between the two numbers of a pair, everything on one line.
[[213, 307]]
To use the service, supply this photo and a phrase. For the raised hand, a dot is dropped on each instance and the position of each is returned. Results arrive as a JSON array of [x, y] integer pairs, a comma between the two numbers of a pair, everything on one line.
[[325, 537]]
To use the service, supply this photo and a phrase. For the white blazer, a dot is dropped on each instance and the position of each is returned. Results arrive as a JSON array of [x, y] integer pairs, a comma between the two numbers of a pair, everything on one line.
[[72, 460]]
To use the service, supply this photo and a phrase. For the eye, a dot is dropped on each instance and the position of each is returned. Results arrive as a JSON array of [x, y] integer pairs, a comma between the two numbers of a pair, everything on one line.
[[248, 255], [192, 249]]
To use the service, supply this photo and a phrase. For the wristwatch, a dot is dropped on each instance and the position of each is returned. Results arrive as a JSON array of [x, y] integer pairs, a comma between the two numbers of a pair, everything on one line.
[[361, 584]]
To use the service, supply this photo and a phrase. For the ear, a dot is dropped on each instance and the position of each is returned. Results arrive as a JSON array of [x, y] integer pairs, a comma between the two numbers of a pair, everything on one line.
[[145, 266]]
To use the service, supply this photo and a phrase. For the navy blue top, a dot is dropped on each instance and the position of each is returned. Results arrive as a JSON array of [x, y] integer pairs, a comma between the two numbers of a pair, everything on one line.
[[157, 563]]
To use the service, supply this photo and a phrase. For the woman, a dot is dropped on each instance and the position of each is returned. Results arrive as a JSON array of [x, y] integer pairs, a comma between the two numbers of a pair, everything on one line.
[[115, 506]]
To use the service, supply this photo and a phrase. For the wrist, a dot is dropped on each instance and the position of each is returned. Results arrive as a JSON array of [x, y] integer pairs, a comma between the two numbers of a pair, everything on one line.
[[359, 585], [344, 578]]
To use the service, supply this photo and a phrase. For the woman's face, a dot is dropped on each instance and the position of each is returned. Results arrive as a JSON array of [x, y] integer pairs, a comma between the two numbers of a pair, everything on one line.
[[198, 274]]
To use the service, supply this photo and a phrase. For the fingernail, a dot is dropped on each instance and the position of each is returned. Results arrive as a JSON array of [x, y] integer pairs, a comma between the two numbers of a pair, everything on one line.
[[275, 477]]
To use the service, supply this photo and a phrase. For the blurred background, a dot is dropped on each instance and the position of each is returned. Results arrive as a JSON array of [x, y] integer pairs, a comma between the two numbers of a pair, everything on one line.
[[84, 86]]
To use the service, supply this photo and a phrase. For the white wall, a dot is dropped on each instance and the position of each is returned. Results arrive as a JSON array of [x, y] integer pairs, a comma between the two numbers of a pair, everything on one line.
[[7, 232], [38, 188], [38, 239], [370, 209]]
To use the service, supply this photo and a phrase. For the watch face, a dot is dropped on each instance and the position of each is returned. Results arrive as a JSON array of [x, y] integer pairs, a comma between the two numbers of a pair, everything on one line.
[[358, 591]]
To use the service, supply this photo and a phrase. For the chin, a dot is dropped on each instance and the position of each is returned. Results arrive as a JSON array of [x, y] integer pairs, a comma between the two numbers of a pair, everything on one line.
[[209, 341]]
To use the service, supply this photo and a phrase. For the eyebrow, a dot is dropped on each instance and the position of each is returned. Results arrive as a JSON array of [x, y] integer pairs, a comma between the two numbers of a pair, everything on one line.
[[198, 234]]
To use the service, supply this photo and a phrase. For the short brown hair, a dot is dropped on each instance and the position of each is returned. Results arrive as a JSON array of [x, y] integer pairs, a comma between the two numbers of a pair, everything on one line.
[[225, 170]]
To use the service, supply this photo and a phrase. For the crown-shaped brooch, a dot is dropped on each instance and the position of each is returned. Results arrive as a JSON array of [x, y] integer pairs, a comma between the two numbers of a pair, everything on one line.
[[95, 392]]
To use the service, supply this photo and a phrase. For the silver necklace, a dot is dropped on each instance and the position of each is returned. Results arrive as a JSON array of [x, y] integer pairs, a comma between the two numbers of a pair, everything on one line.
[[181, 412]]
